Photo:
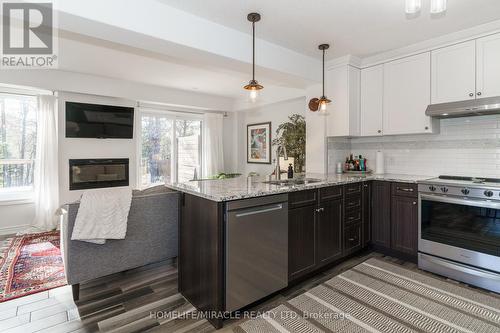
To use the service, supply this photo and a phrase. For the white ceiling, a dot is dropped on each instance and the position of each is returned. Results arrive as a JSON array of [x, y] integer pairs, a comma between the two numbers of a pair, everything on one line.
[[357, 27]]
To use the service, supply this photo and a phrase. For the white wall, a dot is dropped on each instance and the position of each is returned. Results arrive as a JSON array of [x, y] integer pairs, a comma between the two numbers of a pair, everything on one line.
[[73, 148], [465, 146], [275, 113], [15, 217]]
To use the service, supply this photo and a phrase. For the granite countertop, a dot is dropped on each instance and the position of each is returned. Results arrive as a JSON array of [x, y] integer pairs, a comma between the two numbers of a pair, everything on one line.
[[250, 187]]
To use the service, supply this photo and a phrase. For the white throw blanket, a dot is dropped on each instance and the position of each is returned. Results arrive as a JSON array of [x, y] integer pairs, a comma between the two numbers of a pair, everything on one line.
[[102, 215]]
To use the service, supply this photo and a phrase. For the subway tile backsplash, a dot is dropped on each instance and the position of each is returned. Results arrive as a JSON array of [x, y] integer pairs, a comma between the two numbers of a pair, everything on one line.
[[465, 146]]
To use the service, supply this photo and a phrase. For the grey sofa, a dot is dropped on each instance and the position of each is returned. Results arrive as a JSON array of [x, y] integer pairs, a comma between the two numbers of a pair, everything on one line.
[[152, 236]]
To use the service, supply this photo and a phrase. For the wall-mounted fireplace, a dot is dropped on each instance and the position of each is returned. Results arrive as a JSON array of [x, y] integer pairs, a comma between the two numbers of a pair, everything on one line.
[[97, 173]]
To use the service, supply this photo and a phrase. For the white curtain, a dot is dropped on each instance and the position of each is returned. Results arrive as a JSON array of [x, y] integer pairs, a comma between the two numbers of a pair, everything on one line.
[[213, 157], [46, 183]]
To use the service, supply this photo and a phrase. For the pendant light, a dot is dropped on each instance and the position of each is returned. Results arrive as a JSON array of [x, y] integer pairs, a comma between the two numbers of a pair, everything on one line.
[[253, 86], [323, 101]]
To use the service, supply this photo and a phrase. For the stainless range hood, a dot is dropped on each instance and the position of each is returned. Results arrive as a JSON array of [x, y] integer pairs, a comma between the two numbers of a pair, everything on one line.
[[474, 107]]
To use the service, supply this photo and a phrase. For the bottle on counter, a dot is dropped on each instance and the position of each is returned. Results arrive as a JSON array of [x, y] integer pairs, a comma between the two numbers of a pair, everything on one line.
[[290, 171], [346, 165], [362, 165]]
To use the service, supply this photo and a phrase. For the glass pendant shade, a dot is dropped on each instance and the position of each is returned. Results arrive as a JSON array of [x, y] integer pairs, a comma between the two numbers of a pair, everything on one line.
[[413, 6], [323, 104]]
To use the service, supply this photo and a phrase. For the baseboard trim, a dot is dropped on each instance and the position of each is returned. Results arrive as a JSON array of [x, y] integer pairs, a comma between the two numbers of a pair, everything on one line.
[[13, 230]]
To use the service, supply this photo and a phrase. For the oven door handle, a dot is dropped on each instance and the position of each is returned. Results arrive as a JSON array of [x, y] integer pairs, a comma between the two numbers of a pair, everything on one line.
[[461, 201]]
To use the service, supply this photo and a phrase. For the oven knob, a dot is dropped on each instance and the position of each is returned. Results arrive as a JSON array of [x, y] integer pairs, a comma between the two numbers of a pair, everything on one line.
[[488, 193], [432, 188], [465, 191], [444, 189]]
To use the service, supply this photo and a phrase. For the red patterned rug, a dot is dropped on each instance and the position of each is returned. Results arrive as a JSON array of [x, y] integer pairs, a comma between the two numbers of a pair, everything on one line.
[[30, 264]]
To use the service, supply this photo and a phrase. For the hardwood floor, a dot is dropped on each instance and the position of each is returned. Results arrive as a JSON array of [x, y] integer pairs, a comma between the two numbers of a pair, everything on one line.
[[141, 300]]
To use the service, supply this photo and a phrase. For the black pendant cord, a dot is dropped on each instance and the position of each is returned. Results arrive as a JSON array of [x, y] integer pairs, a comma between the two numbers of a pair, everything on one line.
[[323, 72], [253, 51]]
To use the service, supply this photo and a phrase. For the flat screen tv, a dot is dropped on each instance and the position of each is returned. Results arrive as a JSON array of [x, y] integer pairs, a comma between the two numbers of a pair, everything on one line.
[[99, 121]]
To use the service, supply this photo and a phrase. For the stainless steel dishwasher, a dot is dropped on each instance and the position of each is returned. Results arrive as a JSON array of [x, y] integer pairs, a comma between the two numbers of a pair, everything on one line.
[[256, 249]]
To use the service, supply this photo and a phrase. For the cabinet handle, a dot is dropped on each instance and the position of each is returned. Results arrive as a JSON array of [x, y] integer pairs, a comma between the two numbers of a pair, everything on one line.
[[351, 218], [366, 185], [405, 189], [352, 239], [320, 210], [479, 93], [471, 94], [379, 131], [414, 202], [426, 128]]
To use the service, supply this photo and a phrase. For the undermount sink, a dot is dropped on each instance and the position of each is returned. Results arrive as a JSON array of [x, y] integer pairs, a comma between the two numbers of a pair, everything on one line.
[[291, 182]]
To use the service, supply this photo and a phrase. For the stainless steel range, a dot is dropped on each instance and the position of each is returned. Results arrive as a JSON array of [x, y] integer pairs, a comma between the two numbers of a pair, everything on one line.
[[459, 229]]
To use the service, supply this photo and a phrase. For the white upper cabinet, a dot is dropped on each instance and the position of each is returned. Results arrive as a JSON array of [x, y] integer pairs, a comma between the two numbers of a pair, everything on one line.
[[342, 88], [488, 66], [453, 71], [407, 93], [372, 101]]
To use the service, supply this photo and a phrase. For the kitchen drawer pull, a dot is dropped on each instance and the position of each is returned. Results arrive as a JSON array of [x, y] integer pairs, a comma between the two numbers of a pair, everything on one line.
[[405, 189], [318, 210], [352, 239], [351, 218]]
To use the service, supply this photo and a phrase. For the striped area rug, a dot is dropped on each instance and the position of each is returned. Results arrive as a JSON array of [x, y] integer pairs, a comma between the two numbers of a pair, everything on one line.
[[378, 296]]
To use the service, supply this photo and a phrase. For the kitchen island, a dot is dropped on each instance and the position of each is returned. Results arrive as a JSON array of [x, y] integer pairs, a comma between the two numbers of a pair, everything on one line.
[[243, 239]]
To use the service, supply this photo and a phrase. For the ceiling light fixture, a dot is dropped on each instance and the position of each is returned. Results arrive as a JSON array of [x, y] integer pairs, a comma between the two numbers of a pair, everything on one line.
[[323, 101], [253, 86], [438, 6], [413, 6]]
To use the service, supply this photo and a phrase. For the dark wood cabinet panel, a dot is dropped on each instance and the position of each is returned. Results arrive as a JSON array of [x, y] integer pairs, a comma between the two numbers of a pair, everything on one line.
[[201, 246], [302, 198], [366, 198], [352, 238], [329, 232], [330, 193], [381, 214], [404, 224], [353, 216], [405, 190], [353, 189], [301, 240]]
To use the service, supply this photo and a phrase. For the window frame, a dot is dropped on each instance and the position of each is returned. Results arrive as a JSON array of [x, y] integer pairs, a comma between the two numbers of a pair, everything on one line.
[[24, 194], [172, 115]]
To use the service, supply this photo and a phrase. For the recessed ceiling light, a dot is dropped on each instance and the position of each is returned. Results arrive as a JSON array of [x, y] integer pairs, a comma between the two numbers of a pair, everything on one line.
[[413, 6], [438, 6]]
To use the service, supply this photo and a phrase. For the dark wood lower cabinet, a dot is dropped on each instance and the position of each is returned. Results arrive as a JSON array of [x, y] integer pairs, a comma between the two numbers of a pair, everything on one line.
[[367, 212], [301, 235], [381, 214], [329, 232], [404, 224], [201, 254]]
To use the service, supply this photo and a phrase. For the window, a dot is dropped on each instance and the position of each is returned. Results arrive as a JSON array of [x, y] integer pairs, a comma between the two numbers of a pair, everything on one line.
[[17, 143], [170, 147]]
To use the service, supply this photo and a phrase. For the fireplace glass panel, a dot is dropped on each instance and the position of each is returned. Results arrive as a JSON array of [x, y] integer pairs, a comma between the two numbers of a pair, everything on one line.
[[86, 174]]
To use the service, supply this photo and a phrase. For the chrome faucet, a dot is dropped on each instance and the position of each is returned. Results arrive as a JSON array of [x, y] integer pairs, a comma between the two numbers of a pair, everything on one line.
[[281, 148]]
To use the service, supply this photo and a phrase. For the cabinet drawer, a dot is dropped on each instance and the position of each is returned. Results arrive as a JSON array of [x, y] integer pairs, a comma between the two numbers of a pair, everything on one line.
[[405, 189], [302, 198], [352, 189], [352, 238], [328, 193], [352, 216], [352, 202]]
